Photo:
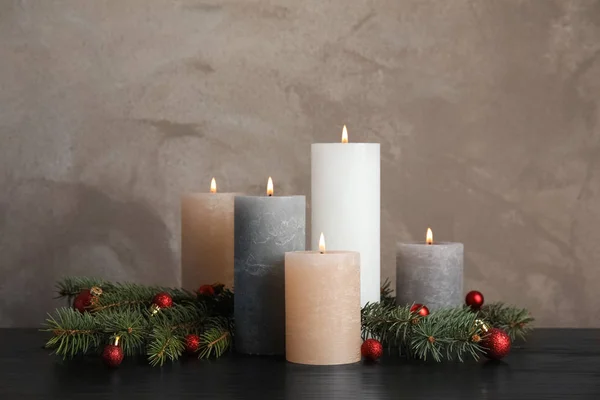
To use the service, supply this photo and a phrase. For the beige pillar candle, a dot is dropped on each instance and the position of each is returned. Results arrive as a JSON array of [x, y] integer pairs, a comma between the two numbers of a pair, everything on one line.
[[207, 238], [322, 307]]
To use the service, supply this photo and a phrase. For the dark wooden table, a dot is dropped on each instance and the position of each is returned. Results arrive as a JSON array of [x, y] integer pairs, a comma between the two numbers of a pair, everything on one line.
[[552, 364]]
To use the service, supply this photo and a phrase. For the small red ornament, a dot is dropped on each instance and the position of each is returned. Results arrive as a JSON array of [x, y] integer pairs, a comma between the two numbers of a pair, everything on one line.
[[163, 300], [82, 301], [420, 309], [371, 349], [86, 298], [474, 299], [192, 343], [112, 355], [497, 344], [206, 290]]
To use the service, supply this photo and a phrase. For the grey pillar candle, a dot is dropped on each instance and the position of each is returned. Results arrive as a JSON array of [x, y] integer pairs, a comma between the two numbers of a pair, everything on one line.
[[264, 229], [430, 274]]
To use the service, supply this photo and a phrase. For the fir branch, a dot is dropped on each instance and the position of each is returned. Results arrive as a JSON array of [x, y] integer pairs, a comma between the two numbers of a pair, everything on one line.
[[130, 326], [123, 310], [215, 340], [446, 334], [517, 322], [136, 297], [71, 286], [74, 333], [442, 335], [170, 327], [386, 292], [181, 317], [164, 344], [142, 292], [387, 322]]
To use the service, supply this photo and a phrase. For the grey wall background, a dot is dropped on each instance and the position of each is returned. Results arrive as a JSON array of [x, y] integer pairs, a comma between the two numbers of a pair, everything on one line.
[[487, 112]]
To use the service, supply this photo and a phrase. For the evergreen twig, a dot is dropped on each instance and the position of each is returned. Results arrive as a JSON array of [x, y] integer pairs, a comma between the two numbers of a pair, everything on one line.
[[216, 339], [445, 334], [73, 333], [386, 292], [165, 344], [130, 326], [123, 309], [515, 321]]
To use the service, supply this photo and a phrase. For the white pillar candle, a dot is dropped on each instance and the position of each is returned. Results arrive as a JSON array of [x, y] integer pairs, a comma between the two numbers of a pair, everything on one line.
[[207, 238], [345, 203], [322, 307]]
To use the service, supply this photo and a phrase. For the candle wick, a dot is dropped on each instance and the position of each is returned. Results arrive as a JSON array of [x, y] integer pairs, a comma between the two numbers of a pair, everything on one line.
[[270, 195]]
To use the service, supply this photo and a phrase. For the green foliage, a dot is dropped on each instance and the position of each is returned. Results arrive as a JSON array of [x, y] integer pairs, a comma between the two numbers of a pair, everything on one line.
[[515, 321], [124, 310], [165, 343], [131, 327], [216, 339], [71, 286], [386, 293], [445, 334], [73, 333]]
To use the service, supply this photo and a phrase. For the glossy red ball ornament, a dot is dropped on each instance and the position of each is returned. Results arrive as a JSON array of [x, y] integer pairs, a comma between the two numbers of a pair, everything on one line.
[[206, 290], [496, 343], [163, 300], [192, 343], [371, 349], [420, 309], [474, 299], [82, 301], [112, 355]]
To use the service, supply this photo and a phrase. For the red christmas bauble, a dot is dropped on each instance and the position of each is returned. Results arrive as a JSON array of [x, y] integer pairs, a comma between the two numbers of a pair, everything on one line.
[[497, 344], [82, 301], [206, 290], [163, 300], [371, 349], [192, 343], [474, 299], [112, 355], [420, 309]]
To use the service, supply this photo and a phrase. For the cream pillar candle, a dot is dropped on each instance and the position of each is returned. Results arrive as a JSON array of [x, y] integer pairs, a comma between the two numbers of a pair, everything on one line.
[[207, 238], [345, 203], [322, 307]]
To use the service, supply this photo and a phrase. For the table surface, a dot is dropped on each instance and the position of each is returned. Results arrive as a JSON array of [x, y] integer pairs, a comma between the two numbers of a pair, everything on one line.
[[552, 364]]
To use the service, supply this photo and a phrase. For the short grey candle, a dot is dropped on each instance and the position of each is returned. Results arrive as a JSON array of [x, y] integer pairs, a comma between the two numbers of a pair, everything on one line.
[[430, 274], [264, 229]]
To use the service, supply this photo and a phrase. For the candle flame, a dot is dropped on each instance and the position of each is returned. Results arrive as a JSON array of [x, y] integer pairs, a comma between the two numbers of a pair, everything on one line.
[[429, 239], [213, 186], [344, 135], [322, 243], [270, 187]]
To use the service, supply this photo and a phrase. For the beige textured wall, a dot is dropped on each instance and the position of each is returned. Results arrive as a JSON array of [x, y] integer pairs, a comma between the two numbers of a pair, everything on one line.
[[487, 112]]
